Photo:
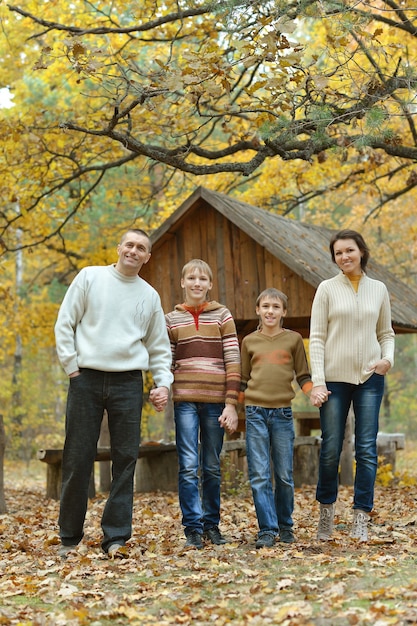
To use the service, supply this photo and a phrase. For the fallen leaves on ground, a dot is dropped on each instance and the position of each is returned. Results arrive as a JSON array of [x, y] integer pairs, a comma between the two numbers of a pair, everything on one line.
[[326, 584]]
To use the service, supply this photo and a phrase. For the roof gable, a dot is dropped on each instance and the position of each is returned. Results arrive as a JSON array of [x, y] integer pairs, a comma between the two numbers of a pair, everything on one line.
[[302, 247]]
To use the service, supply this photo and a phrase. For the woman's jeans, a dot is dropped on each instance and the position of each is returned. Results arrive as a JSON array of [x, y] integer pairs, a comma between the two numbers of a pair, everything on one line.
[[366, 400], [120, 393], [191, 418], [270, 435]]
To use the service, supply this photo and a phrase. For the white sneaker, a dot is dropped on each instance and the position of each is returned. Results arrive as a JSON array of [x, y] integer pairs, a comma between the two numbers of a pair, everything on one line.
[[117, 551], [325, 528], [360, 525], [63, 551]]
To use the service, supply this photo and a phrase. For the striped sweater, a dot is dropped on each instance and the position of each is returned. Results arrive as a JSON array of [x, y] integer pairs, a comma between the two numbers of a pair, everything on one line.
[[205, 357], [349, 331]]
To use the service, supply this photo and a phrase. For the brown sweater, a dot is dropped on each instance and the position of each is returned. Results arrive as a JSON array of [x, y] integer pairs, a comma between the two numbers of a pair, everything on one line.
[[205, 354], [269, 365]]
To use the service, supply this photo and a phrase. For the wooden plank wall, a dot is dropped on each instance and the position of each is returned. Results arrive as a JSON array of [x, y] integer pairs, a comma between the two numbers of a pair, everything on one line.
[[241, 267]]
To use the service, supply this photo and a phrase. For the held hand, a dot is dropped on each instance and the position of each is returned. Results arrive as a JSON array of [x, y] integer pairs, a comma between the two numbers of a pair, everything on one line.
[[319, 395], [159, 397], [229, 419]]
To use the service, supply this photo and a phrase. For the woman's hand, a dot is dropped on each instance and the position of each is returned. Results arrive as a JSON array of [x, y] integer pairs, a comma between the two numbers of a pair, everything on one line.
[[319, 395], [381, 367]]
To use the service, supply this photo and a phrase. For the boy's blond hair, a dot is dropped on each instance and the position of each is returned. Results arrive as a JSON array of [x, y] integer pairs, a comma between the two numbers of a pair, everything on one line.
[[198, 264]]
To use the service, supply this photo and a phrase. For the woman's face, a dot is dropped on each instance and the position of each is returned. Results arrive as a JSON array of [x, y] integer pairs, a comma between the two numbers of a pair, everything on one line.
[[348, 256]]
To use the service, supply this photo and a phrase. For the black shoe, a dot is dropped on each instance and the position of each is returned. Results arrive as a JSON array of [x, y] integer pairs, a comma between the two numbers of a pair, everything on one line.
[[266, 540], [214, 535], [194, 540], [286, 535]]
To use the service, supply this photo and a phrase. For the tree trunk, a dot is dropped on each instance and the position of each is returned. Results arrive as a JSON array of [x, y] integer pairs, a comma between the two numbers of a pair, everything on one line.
[[3, 507]]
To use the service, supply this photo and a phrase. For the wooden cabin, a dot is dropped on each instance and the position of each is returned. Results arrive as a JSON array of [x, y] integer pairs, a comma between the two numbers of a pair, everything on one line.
[[250, 249]]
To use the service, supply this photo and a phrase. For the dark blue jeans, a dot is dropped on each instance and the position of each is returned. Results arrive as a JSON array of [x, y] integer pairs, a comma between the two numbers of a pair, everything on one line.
[[191, 420], [366, 400], [120, 393], [270, 435]]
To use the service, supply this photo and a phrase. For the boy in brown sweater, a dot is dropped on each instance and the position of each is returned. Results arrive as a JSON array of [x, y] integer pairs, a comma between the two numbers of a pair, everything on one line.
[[271, 357]]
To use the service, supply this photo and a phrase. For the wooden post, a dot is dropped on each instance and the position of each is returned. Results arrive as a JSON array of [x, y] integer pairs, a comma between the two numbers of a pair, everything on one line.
[[154, 473], [387, 451], [306, 460], [3, 506], [53, 480]]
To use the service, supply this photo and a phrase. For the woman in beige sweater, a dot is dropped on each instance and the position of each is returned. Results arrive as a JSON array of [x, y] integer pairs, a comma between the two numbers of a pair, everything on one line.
[[351, 350]]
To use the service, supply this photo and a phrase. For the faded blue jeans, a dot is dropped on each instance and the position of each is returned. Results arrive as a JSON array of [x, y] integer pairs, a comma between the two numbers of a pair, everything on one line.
[[199, 423], [366, 400], [270, 435], [89, 394]]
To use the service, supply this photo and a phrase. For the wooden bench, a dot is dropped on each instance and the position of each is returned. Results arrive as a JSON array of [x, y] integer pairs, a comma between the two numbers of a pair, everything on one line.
[[388, 444], [150, 453], [305, 422], [157, 468]]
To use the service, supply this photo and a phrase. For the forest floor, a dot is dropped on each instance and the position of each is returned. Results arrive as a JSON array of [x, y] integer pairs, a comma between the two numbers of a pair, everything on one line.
[[337, 583]]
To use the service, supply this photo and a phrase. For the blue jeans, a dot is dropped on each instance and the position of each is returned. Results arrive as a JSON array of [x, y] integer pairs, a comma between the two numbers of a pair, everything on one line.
[[191, 419], [270, 435], [366, 400], [89, 394]]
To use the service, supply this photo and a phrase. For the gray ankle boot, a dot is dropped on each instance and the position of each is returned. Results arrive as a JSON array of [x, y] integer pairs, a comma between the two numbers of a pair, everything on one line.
[[325, 528]]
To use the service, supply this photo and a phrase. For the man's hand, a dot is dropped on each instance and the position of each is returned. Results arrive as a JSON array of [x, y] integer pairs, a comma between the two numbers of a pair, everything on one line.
[[159, 397]]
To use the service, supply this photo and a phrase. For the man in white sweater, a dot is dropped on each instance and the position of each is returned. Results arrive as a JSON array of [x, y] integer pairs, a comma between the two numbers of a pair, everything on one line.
[[110, 328]]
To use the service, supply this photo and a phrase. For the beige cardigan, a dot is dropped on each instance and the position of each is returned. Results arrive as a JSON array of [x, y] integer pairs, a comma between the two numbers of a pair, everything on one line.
[[349, 331]]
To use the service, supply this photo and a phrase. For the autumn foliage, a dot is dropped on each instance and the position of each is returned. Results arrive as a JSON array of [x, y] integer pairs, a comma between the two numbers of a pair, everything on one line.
[[303, 584]]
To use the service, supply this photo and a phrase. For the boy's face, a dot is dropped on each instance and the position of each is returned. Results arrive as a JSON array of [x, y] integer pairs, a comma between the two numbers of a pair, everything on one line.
[[196, 284], [271, 311]]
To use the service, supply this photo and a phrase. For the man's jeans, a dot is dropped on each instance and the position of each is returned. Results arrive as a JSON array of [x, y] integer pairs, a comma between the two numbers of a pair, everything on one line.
[[366, 399], [89, 394], [199, 513], [270, 434]]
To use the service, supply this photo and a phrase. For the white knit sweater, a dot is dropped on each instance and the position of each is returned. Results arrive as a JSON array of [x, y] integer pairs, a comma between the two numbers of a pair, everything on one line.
[[113, 323], [349, 331]]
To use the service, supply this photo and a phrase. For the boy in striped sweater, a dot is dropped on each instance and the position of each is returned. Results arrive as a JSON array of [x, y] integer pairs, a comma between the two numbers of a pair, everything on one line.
[[206, 368]]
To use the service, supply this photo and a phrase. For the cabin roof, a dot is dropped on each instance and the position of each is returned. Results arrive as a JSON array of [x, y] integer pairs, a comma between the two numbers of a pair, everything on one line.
[[303, 247]]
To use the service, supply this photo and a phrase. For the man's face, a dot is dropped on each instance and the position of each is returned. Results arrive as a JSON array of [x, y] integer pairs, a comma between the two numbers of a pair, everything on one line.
[[133, 252]]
